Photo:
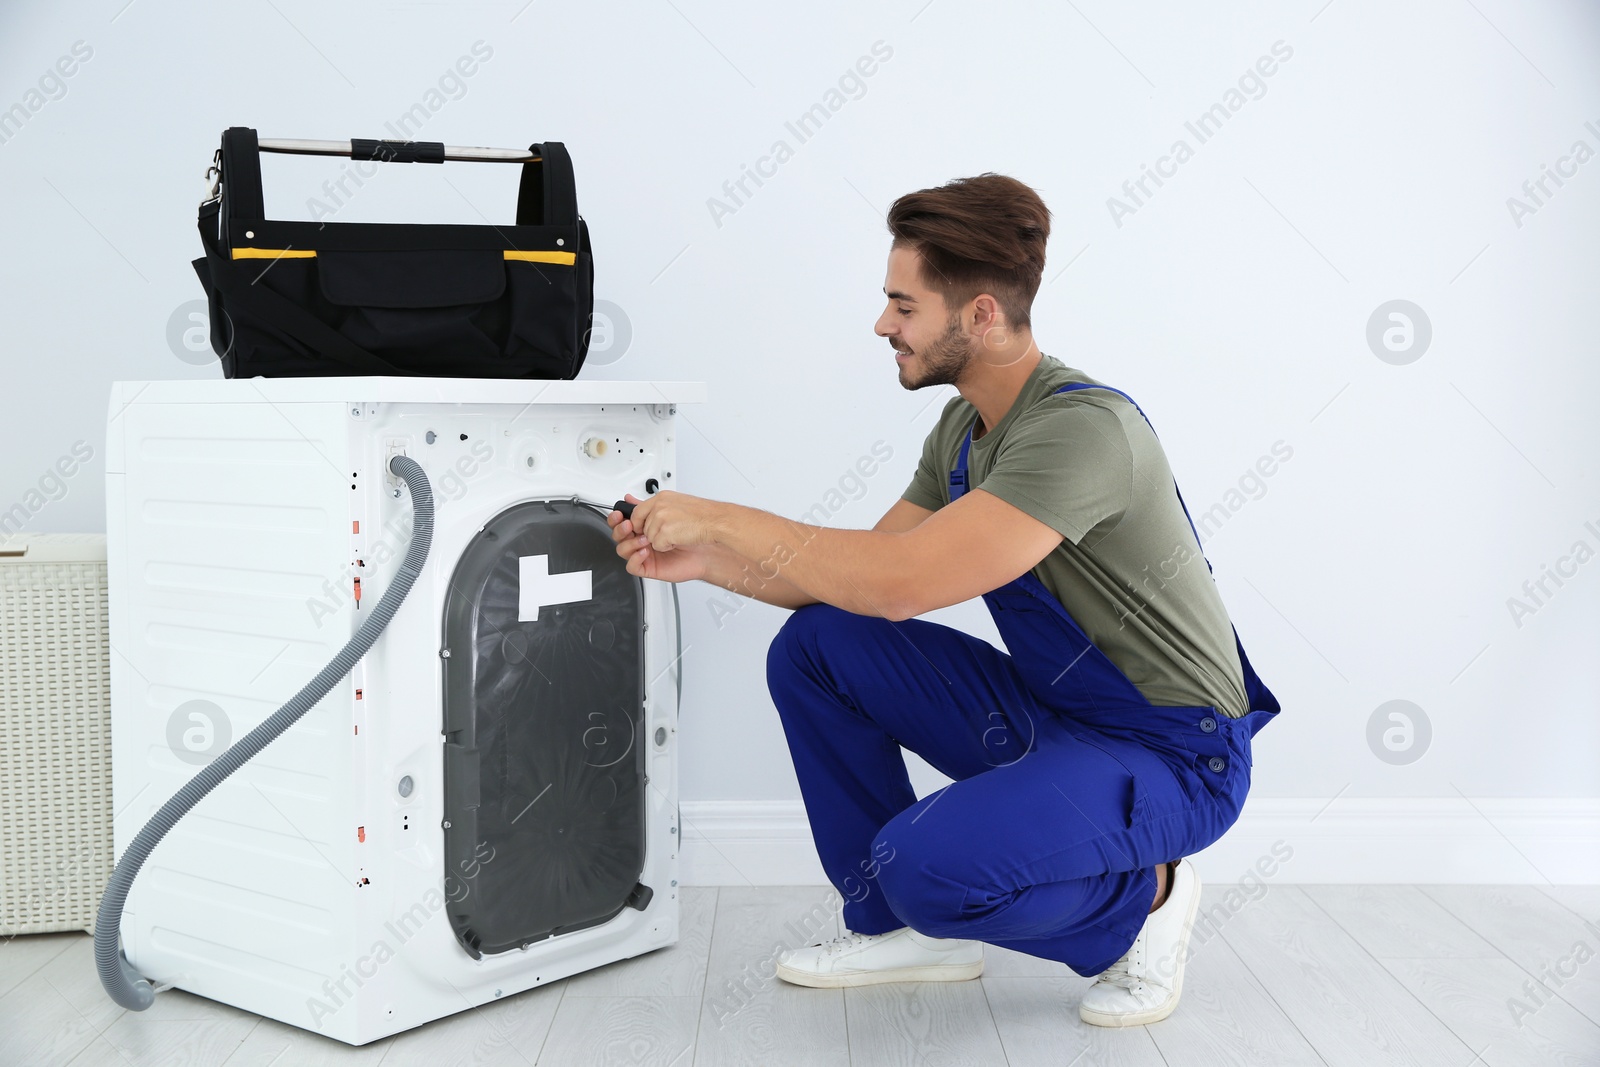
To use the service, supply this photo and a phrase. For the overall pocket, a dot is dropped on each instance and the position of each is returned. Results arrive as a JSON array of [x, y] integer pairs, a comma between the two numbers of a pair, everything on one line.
[[1132, 801]]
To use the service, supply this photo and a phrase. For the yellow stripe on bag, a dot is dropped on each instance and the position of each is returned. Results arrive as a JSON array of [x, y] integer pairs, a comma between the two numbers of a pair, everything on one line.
[[544, 257], [567, 258]]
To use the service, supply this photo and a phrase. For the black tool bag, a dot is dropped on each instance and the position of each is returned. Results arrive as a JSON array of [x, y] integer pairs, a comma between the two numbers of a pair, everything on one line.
[[308, 299]]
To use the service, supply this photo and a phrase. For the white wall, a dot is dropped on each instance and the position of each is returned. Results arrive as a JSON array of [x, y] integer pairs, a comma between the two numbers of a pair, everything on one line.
[[1376, 164]]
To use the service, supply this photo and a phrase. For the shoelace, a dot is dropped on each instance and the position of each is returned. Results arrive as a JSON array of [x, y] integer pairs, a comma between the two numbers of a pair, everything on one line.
[[849, 940], [1117, 973]]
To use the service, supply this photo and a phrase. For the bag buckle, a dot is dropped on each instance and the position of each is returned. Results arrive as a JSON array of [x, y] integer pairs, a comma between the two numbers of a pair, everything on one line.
[[214, 184]]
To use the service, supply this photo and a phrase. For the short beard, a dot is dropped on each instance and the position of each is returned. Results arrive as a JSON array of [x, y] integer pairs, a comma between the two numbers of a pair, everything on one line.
[[944, 360]]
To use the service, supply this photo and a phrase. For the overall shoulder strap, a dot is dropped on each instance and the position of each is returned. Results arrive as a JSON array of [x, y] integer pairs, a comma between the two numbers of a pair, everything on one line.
[[1260, 698], [958, 475]]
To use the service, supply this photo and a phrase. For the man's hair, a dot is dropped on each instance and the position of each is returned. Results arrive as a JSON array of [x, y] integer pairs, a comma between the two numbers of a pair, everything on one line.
[[977, 235]]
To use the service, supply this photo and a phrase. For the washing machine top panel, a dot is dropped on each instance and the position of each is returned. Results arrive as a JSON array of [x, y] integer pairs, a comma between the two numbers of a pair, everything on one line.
[[384, 389]]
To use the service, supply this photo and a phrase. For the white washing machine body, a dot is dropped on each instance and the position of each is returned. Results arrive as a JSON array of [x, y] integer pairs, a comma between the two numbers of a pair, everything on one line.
[[488, 802]]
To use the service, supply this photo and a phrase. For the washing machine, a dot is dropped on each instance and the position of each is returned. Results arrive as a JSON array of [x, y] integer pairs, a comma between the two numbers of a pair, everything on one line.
[[487, 802]]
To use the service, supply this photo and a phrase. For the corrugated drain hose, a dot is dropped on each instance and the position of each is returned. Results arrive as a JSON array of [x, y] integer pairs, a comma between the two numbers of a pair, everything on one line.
[[125, 985]]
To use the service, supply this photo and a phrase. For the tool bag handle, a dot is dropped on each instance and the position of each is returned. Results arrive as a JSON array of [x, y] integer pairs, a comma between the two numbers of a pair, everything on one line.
[[547, 195]]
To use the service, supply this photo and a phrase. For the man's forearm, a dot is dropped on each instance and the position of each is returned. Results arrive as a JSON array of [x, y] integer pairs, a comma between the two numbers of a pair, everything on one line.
[[751, 578], [857, 570]]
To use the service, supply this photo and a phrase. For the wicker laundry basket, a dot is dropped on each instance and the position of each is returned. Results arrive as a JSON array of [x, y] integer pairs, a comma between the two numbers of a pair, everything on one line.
[[55, 732]]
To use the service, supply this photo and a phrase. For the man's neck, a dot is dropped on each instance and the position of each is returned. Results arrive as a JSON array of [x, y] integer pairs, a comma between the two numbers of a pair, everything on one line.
[[993, 389]]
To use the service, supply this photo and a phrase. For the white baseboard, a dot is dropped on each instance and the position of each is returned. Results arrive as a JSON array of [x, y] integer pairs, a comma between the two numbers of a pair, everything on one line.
[[1435, 840], [747, 842]]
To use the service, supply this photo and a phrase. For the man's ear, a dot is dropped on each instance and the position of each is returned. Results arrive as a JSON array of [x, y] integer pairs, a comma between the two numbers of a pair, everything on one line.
[[989, 314]]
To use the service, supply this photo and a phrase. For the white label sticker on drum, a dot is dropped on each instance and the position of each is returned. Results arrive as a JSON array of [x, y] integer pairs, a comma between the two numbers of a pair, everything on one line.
[[537, 587]]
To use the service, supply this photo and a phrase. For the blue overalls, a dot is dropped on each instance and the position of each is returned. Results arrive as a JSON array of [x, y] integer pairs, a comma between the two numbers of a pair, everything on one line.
[[1070, 787]]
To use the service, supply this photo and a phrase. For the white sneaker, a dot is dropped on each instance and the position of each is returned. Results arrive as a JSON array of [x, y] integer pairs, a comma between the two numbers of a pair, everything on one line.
[[901, 955], [1144, 985]]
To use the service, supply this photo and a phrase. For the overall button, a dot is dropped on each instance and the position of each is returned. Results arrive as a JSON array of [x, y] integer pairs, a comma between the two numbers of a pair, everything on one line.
[[1208, 725], [1217, 762]]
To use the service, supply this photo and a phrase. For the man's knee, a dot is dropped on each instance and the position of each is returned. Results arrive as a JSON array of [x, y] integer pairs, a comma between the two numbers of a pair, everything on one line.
[[797, 639]]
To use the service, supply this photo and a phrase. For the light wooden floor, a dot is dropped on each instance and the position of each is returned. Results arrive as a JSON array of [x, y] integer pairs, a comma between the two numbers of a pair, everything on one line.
[[1360, 975]]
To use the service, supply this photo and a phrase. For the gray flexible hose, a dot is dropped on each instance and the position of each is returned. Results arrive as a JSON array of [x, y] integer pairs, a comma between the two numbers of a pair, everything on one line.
[[125, 985]]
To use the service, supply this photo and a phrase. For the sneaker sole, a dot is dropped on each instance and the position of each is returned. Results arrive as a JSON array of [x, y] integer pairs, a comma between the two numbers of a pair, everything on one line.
[[1153, 1015], [943, 972]]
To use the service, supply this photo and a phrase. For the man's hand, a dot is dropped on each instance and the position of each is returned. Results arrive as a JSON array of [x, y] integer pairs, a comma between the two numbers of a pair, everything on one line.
[[672, 520], [680, 564]]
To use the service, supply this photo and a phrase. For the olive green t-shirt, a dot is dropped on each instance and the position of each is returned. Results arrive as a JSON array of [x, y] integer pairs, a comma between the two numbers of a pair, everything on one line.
[[1128, 569]]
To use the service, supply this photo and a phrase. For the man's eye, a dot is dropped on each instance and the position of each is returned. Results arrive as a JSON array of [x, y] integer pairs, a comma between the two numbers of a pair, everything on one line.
[[905, 311]]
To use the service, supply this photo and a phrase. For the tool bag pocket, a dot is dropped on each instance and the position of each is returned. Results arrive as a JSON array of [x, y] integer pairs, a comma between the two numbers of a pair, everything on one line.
[[304, 299]]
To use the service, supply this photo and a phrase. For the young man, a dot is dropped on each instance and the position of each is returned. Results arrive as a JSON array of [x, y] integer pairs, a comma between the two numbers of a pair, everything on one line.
[[1113, 737]]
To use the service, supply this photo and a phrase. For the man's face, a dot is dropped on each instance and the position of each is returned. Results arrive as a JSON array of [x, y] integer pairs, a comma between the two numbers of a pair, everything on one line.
[[931, 346]]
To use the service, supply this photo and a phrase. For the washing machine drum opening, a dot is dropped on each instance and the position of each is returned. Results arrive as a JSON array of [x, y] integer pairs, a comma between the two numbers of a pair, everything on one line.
[[544, 766]]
